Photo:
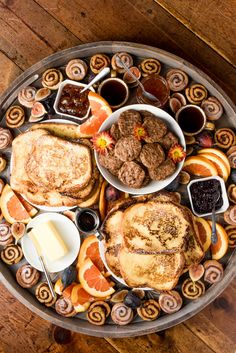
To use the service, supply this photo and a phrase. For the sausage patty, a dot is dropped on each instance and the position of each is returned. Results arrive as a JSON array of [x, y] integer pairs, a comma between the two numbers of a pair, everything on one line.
[[168, 140], [115, 132], [163, 171], [154, 126], [127, 148], [110, 162], [132, 175], [127, 122], [152, 155]]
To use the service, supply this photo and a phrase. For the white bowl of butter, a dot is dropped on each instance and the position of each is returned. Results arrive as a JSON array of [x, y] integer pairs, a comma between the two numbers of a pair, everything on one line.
[[58, 239]]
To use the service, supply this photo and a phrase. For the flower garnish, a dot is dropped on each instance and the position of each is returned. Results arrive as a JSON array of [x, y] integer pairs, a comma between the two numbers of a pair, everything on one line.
[[140, 132], [102, 142], [176, 153]]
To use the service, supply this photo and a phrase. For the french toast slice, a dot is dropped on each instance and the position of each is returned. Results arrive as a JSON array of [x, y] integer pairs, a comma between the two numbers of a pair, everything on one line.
[[160, 271]]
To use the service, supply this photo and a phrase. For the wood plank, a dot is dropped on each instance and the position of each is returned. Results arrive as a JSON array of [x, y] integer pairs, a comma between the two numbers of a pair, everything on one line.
[[9, 71], [198, 53], [46, 27], [219, 17]]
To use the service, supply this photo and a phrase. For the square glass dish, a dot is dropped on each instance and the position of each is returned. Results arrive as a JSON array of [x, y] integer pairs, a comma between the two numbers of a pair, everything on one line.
[[201, 197]]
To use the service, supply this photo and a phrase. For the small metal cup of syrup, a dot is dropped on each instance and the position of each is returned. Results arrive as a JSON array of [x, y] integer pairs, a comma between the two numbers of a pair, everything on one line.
[[87, 220], [115, 91], [191, 119]]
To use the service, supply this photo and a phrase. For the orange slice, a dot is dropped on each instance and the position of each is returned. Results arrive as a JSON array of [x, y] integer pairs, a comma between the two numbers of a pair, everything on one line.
[[90, 249], [219, 164], [219, 249], [218, 153], [12, 209], [100, 112], [200, 166], [93, 281], [204, 230], [79, 296], [29, 208], [68, 290]]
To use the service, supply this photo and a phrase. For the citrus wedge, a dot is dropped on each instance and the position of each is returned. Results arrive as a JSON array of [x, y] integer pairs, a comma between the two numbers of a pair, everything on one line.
[[219, 164], [219, 249], [199, 166], [100, 112], [204, 231], [32, 211], [90, 248], [93, 281], [12, 209], [79, 296], [218, 153]]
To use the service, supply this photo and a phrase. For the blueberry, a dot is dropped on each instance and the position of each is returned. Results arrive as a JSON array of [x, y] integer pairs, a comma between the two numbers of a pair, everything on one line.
[[132, 300], [69, 275], [173, 186]]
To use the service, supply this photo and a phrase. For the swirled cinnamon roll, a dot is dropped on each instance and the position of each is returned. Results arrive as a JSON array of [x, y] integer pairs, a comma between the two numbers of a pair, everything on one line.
[[149, 310], [98, 312], [177, 80], [193, 290], [212, 108], [27, 276], [76, 69], [232, 239], [121, 314], [5, 138], [170, 302], [15, 116], [11, 254], [52, 78], [225, 137], [44, 295], [213, 271], [149, 67], [3, 163], [64, 307], [99, 62], [26, 96], [196, 93], [6, 236], [116, 61]]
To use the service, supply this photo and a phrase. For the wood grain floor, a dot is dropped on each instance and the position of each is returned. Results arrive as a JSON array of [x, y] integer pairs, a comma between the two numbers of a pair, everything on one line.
[[202, 32]]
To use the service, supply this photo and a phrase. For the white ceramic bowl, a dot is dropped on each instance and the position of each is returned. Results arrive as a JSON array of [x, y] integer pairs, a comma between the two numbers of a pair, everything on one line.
[[153, 185]]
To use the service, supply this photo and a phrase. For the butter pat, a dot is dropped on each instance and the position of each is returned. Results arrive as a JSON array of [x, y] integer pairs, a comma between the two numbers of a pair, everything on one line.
[[46, 238]]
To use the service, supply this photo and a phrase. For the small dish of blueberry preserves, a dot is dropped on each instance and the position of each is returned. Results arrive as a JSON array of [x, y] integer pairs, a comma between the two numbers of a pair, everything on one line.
[[204, 193]]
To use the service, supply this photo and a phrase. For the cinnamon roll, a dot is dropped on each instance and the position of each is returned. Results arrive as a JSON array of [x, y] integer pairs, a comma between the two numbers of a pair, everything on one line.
[[177, 80], [6, 236], [149, 67], [26, 96], [5, 138], [196, 93], [225, 138], [149, 310], [193, 290], [99, 62], [76, 69], [64, 307], [27, 276], [15, 116], [116, 61], [52, 78], [98, 312], [121, 314], [11, 254], [212, 108], [213, 271], [170, 302], [44, 295], [3, 163]]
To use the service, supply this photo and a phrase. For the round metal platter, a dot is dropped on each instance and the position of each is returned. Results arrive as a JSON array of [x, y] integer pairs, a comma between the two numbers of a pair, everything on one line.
[[32, 76]]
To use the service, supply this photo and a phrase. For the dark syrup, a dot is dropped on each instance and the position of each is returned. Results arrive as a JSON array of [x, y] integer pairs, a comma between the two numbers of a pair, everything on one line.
[[87, 221], [114, 92], [190, 120]]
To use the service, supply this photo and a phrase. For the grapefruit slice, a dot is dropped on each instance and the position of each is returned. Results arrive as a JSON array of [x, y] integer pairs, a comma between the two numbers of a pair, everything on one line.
[[219, 249], [218, 153], [93, 281], [204, 231], [100, 112], [79, 296], [29, 208], [90, 248], [219, 164], [200, 166], [12, 209]]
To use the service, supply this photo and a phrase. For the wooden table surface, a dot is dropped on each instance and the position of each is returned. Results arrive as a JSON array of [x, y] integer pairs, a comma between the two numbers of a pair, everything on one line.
[[202, 32]]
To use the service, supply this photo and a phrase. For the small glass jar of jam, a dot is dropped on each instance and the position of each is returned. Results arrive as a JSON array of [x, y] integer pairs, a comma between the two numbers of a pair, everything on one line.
[[158, 87]]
